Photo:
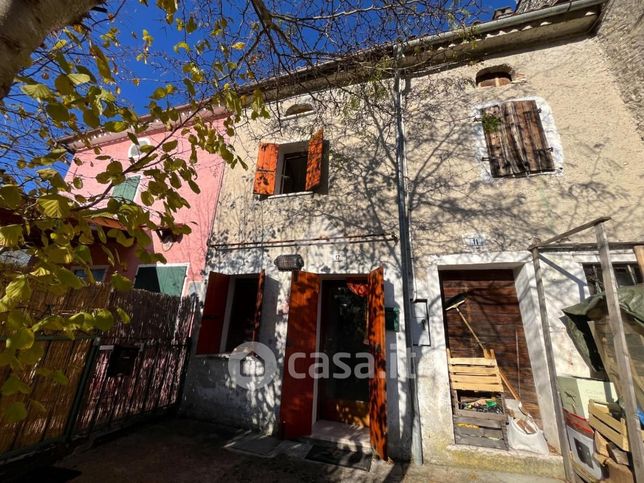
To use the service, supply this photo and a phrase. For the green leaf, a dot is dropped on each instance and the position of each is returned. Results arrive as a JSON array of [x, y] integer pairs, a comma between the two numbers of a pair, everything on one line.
[[91, 119], [10, 196], [59, 377], [13, 385], [123, 315], [37, 91], [119, 282], [102, 63], [54, 206], [11, 236], [170, 145], [64, 85], [15, 412], [181, 45], [115, 126], [32, 355], [57, 112], [103, 319], [78, 78], [18, 319], [147, 198], [17, 291], [23, 338], [68, 279], [238, 45]]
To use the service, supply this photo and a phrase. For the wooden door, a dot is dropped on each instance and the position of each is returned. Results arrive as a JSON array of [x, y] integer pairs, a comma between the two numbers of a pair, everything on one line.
[[212, 318], [296, 412], [492, 308], [377, 347]]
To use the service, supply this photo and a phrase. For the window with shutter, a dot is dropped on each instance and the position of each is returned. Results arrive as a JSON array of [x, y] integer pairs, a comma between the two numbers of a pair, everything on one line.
[[515, 138], [126, 191], [290, 168], [161, 278]]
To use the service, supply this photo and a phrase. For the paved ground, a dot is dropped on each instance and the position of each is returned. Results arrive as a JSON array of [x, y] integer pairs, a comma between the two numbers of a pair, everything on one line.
[[182, 450]]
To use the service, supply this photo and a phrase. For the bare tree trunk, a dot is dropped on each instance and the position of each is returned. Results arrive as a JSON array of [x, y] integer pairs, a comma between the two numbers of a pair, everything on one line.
[[24, 24]]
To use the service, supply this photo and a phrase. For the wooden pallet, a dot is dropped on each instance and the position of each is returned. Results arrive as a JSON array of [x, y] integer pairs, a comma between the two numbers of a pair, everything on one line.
[[609, 427], [477, 374]]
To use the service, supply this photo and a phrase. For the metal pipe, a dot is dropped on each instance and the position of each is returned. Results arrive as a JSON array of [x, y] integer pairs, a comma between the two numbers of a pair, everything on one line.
[[405, 258], [550, 365], [305, 241]]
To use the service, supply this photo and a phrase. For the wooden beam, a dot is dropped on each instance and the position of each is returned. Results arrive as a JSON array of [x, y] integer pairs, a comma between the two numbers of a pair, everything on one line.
[[639, 255], [622, 354], [569, 233], [552, 371]]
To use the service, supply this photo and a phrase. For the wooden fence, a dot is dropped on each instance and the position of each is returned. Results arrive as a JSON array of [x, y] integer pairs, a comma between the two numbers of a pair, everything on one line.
[[115, 378]]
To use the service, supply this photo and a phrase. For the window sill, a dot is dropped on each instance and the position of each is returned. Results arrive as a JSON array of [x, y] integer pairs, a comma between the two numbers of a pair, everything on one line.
[[290, 195]]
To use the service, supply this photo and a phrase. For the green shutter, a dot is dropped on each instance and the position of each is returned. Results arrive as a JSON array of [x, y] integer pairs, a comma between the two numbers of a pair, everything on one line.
[[127, 189], [167, 280]]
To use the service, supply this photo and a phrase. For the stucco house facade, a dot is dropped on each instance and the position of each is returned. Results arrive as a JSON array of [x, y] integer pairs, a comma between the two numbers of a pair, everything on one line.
[[182, 275], [520, 133]]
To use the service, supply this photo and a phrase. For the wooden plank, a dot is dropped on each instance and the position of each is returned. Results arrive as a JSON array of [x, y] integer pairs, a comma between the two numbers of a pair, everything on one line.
[[482, 422], [468, 413], [464, 379], [470, 386], [472, 361], [479, 432], [474, 371], [608, 432], [486, 442]]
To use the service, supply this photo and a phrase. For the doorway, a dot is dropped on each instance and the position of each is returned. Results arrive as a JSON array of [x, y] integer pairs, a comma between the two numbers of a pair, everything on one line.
[[491, 307], [342, 330]]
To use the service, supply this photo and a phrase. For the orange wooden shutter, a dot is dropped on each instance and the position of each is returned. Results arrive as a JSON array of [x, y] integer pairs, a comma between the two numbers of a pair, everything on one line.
[[266, 169], [314, 161], [259, 300], [377, 384], [214, 310], [296, 412]]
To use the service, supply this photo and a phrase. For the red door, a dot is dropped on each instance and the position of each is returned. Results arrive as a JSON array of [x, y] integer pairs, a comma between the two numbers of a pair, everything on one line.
[[378, 384], [212, 319], [296, 412]]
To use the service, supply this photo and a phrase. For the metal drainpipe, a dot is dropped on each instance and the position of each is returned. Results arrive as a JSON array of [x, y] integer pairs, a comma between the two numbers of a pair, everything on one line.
[[405, 258]]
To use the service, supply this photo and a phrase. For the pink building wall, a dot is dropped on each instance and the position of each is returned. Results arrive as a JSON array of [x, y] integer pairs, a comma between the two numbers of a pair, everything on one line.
[[192, 249]]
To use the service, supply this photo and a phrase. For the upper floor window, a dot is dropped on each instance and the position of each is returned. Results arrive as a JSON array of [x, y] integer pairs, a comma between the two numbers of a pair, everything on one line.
[[494, 76], [290, 168], [296, 109], [515, 139], [135, 151]]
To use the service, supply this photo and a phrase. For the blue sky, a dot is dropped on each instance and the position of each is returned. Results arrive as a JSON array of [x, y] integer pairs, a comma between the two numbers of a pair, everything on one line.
[[135, 17]]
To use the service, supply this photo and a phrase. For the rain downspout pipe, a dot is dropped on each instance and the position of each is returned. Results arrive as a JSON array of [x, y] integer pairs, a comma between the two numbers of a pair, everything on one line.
[[405, 260]]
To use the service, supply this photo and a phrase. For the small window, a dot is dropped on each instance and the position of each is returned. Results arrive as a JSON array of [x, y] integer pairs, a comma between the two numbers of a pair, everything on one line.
[[296, 109], [126, 191], [98, 273], [626, 274], [290, 168], [161, 278], [494, 76], [135, 151], [232, 312], [515, 138]]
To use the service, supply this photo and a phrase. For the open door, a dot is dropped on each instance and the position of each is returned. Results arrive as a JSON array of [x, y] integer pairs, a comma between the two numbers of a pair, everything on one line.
[[212, 318], [296, 412], [378, 383]]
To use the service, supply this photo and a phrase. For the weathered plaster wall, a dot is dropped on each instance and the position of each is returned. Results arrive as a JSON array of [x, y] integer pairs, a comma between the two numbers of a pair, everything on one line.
[[602, 154], [621, 34], [199, 217]]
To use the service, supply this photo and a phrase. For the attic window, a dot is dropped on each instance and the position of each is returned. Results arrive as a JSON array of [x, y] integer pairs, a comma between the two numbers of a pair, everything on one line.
[[135, 149], [296, 109], [494, 76]]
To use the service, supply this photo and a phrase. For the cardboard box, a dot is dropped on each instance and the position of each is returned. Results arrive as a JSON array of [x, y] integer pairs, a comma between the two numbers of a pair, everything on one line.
[[575, 392]]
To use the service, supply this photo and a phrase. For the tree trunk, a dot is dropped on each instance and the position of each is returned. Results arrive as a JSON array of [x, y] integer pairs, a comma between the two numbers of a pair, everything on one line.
[[24, 24]]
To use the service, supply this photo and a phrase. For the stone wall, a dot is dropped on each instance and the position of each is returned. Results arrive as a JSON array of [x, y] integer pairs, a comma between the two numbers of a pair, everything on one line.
[[621, 35]]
